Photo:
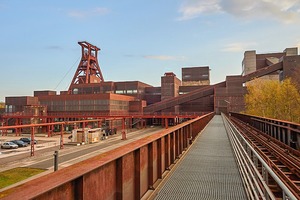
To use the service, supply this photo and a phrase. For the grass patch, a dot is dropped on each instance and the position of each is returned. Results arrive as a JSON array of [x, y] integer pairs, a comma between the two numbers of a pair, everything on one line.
[[18, 174]]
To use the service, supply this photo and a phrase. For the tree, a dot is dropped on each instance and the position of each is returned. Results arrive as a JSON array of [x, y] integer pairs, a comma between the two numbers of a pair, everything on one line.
[[273, 99], [2, 107]]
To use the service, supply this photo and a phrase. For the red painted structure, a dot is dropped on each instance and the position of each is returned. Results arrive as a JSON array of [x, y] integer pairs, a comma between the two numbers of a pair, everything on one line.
[[88, 70], [286, 132], [127, 172], [126, 121], [88, 94]]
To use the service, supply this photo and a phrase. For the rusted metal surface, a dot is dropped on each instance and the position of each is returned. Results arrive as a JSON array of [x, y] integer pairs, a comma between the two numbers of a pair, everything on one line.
[[255, 179], [127, 172], [283, 159], [32, 142], [144, 164], [283, 131], [110, 115], [48, 125], [88, 70], [125, 175]]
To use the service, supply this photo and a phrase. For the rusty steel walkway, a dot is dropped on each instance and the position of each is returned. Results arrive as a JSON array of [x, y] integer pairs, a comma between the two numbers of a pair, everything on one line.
[[208, 171]]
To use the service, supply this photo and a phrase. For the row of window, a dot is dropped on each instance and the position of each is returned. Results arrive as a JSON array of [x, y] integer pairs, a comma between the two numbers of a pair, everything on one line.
[[88, 105], [84, 102], [126, 91], [88, 108], [97, 90]]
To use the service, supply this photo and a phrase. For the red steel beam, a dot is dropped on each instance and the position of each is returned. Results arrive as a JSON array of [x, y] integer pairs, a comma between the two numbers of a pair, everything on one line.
[[32, 142], [62, 137], [104, 115]]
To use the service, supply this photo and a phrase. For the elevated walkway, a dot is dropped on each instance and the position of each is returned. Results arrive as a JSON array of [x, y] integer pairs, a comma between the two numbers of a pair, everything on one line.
[[208, 171], [196, 94], [207, 91]]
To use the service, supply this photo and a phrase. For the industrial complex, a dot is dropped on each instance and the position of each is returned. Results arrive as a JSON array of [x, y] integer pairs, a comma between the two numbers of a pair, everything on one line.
[[211, 149], [90, 95]]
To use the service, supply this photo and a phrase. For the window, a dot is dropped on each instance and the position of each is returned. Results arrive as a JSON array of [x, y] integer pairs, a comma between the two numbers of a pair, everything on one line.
[[119, 91], [75, 91]]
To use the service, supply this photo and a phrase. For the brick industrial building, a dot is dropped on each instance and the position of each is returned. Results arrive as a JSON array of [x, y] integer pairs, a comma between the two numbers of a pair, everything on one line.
[[90, 95], [253, 62]]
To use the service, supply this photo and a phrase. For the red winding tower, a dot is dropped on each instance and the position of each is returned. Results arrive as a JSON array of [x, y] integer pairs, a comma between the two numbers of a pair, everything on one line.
[[88, 70]]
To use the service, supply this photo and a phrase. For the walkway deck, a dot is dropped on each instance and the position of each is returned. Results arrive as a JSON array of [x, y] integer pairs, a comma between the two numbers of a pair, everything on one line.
[[208, 171]]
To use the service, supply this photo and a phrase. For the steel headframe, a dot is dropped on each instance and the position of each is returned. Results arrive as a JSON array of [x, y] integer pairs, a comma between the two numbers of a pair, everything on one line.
[[88, 70]]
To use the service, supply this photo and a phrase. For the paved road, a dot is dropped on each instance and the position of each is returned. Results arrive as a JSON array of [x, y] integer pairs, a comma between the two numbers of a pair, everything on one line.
[[6, 160], [71, 155]]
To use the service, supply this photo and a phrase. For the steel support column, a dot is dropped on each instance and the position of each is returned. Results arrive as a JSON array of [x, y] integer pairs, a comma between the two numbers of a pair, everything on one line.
[[166, 123], [78, 188], [32, 142], [83, 128], [119, 179], [137, 174], [167, 151], [177, 144], [62, 137], [150, 166], [190, 133], [159, 158], [17, 129], [289, 136], [172, 147], [185, 138], [123, 129]]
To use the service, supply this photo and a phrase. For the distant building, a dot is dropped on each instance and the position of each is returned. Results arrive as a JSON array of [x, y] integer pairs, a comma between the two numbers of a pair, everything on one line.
[[169, 86], [195, 76], [253, 62], [114, 98]]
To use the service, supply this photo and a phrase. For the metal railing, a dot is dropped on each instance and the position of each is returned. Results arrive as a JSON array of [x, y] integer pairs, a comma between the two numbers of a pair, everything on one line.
[[256, 184], [126, 172], [283, 131], [107, 114]]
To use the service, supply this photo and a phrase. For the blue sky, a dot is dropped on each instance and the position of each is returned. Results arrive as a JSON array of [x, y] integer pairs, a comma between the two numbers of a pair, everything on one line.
[[139, 40]]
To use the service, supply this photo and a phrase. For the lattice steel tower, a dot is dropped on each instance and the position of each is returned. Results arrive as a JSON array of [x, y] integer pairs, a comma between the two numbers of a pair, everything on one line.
[[88, 70]]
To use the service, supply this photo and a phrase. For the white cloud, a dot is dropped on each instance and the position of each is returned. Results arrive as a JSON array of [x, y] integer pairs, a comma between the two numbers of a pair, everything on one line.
[[164, 57], [88, 13], [192, 8], [286, 11], [238, 47]]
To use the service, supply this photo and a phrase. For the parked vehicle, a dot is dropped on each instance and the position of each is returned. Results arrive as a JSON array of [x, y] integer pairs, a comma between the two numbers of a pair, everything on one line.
[[20, 143], [9, 145], [28, 140]]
